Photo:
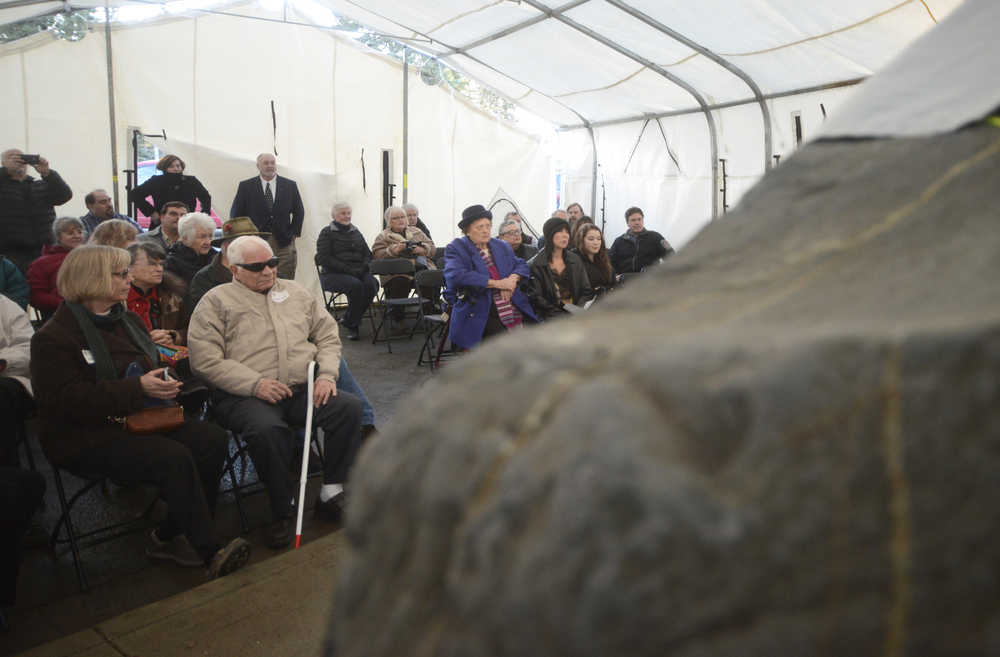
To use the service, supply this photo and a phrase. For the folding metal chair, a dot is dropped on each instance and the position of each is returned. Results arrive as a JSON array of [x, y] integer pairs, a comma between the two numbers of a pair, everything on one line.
[[97, 536], [435, 325], [336, 302], [413, 303]]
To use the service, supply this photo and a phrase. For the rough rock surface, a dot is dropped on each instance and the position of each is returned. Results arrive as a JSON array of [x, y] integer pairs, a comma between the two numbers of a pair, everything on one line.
[[785, 441]]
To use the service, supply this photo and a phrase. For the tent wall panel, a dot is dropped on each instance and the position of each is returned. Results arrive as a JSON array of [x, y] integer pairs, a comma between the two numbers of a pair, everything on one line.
[[67, 113], [13, 112]]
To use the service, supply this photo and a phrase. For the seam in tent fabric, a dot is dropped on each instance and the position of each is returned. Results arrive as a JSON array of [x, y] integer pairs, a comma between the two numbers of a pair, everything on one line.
[[464, 14], [605, 87], [682, 60], [815, 37], [929, 12]]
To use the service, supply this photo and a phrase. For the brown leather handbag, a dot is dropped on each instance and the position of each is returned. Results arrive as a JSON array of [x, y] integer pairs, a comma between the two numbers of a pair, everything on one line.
[[157, 419]]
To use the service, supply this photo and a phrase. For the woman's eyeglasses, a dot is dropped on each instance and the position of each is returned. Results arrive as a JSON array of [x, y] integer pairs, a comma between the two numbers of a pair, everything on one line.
[[258, 267], [121, 274]]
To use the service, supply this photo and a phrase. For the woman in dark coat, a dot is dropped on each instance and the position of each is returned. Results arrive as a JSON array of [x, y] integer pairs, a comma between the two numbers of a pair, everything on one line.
[[557, 274], [81, 365], [594, 254], [194, 249], [172, 185], [482, 276]]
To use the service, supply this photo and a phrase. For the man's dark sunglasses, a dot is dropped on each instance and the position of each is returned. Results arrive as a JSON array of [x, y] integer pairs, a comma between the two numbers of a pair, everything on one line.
[[258, 267]]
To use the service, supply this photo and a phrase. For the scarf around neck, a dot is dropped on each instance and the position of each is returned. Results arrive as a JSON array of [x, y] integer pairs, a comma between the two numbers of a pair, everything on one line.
[[90, 323]]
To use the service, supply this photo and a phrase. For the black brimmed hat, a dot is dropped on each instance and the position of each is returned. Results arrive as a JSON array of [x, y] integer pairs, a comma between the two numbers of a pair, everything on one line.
[[472, 213]]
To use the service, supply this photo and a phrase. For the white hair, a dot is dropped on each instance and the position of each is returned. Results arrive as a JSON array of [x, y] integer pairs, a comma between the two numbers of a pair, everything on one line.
[[506, 224], [409, 206], [389, 210], [237, 250], [192, 222], [339, 205]]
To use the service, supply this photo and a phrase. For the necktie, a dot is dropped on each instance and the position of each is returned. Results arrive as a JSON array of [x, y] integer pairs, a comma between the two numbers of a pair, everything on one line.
[[268, 196]]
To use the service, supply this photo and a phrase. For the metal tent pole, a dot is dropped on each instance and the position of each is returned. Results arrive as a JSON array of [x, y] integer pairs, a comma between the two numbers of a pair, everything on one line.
[[112, 123], [406, 120]]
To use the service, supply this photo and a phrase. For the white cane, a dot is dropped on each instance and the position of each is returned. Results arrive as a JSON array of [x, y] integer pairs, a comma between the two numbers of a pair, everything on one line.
[[305, 451]]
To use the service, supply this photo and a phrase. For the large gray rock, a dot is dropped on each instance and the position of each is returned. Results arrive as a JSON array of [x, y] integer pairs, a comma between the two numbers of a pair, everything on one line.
[[784, 441]]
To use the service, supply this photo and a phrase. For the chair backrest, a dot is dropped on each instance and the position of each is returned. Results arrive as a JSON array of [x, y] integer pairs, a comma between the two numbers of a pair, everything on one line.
[[389, 266], [429, 278]]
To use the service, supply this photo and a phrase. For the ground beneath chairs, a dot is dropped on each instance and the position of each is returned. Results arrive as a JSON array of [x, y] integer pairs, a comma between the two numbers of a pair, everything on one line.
[[122, 579]]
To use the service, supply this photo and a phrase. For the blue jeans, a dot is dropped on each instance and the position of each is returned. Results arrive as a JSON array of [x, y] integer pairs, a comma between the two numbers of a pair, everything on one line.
[[347, 383]]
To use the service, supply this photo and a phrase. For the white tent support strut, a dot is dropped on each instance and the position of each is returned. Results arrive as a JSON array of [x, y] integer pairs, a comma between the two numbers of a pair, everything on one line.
[[732, 68], [717, 106], [600, 38]]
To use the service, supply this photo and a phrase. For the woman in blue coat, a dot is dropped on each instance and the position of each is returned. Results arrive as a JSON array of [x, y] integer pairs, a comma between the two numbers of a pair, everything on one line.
[[481, 276]]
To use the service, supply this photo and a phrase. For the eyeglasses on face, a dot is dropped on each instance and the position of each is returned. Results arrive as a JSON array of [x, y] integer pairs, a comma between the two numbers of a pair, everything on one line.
[[121, 274], [258, 267]]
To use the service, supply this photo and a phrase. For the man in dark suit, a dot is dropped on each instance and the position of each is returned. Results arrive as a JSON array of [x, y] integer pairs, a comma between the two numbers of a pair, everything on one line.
[[274, 205]]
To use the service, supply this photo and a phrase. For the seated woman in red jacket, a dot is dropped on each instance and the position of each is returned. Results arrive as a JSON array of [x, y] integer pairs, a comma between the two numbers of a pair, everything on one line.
[[156, 296], [42, 273]]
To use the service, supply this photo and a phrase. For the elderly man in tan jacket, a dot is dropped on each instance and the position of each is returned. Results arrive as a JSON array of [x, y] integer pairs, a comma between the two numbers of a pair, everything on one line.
[[252, 341]]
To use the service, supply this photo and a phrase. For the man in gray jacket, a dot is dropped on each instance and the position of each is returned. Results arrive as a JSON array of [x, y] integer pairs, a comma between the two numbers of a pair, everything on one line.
[[252, 341]]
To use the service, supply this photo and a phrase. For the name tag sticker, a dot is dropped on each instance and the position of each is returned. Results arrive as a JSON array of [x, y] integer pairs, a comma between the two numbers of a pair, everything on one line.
[[87, 356], [278, 296]]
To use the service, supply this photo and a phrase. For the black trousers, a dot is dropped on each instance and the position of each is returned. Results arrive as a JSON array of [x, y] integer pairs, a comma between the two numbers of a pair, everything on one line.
[[21, 493], [185, 464], [267, 429], [15, 404], [359, 291]]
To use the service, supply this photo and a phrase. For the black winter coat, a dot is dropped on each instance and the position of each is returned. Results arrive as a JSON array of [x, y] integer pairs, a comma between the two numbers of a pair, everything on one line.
[[544, 297], [185, 261], [171, 187], [628, 257], [26, 210], [343, 251]]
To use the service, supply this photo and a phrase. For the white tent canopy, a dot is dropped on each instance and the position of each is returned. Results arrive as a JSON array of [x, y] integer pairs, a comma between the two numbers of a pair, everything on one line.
[[651, 96]]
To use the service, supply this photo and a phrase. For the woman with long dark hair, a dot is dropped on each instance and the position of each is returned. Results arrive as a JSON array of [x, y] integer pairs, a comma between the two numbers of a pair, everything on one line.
[[593, 252], [557, 273]]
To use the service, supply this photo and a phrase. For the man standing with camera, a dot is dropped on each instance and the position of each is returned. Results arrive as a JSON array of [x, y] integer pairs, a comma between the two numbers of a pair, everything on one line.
[[27, 206]]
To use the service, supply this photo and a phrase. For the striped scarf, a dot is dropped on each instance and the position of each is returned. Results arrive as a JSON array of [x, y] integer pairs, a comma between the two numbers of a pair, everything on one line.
[[510, 316]]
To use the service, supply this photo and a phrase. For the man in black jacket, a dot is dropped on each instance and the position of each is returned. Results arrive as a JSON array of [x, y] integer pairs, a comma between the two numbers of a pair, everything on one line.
[[26, 207], [343, 255], [638, 248], [274, 205]]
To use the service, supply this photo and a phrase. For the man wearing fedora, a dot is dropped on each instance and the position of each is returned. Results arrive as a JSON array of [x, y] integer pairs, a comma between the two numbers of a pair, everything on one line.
[[274, 205]]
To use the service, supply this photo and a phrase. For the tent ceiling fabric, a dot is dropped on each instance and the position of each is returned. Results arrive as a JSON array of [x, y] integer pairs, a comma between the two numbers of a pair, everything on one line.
[[781, 45]]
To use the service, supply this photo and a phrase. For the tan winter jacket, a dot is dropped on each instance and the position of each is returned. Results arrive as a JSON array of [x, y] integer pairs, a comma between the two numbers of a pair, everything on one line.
[[238, 337]]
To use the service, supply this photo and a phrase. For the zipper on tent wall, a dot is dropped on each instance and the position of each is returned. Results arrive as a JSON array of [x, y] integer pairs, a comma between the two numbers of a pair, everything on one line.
[[797, 127]]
